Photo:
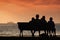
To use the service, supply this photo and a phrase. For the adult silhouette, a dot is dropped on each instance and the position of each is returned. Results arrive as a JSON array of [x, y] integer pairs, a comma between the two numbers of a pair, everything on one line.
[[51, 26], [43, 24], [37, 24], [32, 23]]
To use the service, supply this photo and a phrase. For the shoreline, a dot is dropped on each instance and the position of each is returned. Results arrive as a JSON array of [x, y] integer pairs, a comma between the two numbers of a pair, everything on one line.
[[30, 38]]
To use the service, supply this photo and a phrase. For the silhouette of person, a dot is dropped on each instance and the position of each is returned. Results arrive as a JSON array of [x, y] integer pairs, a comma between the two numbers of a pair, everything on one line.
[[51, 26], [37, 23], [32, 25], [43, 24]]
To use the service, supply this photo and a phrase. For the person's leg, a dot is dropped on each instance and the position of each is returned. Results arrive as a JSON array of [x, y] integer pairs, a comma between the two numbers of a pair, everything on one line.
[[45, 31], [49, 32], [32, 32], [54, 32], [39, 32]]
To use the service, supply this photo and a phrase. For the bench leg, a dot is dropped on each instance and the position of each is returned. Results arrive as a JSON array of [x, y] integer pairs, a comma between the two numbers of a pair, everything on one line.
[[21, 33]]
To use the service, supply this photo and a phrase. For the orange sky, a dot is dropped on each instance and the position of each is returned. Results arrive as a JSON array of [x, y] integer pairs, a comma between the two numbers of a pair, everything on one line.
[[24, 10]]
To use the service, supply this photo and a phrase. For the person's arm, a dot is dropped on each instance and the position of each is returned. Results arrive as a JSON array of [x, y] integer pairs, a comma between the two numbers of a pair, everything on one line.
[[53, 24]]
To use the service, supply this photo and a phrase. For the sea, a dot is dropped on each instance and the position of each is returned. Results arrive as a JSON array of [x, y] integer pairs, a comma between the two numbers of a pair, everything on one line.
[[11, 29]]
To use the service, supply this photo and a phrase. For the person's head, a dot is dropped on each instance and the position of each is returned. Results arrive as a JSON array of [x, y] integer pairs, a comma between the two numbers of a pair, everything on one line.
[[43, 17], [51, 18], [37, 16], [32, 18]]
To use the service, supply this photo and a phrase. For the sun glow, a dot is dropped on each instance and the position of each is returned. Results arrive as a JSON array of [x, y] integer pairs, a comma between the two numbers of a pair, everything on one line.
[[24, 10]]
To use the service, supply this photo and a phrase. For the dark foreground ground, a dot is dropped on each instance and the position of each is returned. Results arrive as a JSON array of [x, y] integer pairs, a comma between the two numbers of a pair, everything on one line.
[[43, 37]]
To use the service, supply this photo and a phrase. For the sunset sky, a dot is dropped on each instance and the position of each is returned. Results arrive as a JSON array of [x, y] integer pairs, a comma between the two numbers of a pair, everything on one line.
[[24, 10]]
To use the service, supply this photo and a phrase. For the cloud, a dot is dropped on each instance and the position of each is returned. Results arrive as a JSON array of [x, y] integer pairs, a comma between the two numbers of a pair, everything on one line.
[[48, 2], [27, 0], [18, 10], [31, 3], [42, 2]]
